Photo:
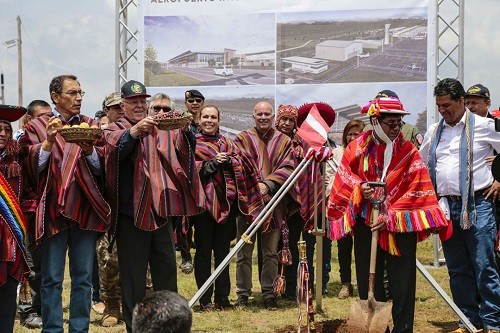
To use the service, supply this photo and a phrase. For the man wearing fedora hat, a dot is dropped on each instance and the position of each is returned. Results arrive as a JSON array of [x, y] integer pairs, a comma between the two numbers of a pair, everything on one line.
[[72, 212], [13, 226], [384, 155]]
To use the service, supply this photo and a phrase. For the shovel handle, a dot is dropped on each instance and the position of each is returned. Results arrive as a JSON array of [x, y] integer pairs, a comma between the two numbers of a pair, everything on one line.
[[373, 258]]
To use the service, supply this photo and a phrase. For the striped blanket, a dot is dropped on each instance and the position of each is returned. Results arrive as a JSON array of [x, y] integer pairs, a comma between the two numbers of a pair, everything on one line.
[[66, 187], [237, 184], [271, 158], [165, 180]]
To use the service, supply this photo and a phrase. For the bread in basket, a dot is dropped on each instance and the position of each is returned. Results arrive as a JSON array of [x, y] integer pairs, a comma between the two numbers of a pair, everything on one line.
[[80, 133]]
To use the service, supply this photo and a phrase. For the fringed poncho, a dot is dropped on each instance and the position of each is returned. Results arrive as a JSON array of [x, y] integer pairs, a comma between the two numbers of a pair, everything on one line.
[[272, 161], [411, 204]]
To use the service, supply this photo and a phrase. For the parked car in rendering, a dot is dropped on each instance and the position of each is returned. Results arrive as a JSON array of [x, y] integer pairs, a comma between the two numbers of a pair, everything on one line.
[[223, 70]]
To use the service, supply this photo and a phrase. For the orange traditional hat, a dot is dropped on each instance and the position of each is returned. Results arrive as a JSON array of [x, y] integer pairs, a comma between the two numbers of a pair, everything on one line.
[[325, 110]]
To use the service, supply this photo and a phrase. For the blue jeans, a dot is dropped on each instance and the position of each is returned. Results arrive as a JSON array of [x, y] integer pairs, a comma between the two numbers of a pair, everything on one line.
[[471, 265], [81, 248]]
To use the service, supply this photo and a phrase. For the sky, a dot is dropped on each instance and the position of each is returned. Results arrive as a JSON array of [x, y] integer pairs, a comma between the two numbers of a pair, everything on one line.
[[77, 37]]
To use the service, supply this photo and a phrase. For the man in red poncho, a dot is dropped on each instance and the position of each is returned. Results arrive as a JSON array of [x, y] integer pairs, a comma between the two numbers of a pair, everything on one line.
[[408, 213], [71, 213], [150, 177]]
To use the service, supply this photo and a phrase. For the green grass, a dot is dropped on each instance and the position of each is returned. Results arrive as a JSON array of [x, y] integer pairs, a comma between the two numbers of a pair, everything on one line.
[[168, 79], [431, 315]]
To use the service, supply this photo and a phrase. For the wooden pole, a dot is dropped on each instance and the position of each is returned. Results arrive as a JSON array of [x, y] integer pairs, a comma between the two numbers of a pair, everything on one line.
[[19, 62]]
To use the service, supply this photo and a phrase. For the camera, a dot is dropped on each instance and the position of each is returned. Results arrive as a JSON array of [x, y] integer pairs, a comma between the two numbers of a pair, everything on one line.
[[496, 116]]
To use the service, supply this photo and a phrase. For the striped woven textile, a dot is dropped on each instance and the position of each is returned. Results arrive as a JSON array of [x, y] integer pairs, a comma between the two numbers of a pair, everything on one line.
[[270, 157], [306, 184], [166, 183], [237, 185], [69, 194], [411, 204], [13, 228]]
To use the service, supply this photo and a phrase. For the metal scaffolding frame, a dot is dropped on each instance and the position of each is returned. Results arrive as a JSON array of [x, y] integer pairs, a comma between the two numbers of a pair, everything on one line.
[[125, 40], [447, 16], [449, 53]]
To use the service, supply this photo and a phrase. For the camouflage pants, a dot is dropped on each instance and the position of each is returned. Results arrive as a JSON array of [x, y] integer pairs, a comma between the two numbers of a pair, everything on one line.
[[109, 271]]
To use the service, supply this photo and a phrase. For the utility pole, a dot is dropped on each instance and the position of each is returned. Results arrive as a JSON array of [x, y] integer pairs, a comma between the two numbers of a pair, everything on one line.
[[2, 88], [19, 62]]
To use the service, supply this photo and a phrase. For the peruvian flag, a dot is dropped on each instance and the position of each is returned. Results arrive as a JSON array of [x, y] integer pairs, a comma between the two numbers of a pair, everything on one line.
[[314, 129]]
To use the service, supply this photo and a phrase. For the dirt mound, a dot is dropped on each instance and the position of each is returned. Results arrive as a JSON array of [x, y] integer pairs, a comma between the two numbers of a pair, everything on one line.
[[328, 326]]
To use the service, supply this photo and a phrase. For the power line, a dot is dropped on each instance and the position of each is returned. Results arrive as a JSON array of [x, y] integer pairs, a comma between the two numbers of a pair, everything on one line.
[[34, 49]]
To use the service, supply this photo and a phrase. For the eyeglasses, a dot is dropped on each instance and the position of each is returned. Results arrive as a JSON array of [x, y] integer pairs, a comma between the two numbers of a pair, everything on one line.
[[393, 125], [73, 93], [192, 100], [158, 108], [135, 102]]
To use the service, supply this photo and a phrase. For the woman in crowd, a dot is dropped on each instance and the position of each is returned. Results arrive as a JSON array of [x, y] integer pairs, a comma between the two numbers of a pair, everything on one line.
[[13, 226], [344, 245], [231, 188]]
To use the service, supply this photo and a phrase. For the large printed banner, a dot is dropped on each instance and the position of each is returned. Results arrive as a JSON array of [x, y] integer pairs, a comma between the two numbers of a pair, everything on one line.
[[239, 52]]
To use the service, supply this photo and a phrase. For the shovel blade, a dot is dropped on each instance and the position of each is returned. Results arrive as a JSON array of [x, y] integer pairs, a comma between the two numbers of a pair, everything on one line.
[[381, 317], [368, 316]]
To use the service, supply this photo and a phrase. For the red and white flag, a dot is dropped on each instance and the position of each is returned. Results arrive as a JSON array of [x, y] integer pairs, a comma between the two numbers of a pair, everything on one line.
[[314, 129]]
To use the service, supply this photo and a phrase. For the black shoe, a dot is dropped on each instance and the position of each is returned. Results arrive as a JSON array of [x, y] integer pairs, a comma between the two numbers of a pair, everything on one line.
[[223, 304], [207, 306], [271, 304], [33, 320], [241, 301]]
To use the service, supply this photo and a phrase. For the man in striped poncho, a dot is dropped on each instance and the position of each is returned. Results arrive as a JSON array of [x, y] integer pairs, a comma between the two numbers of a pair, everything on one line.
[[71, 212], [270, 150], [150, 177]]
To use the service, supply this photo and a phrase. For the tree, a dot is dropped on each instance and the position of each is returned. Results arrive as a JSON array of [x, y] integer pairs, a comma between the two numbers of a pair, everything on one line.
[[211, 63], [150, 53]]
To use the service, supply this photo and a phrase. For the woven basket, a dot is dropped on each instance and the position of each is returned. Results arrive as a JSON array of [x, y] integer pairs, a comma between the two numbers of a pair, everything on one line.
[[173, 123], [80, 134]]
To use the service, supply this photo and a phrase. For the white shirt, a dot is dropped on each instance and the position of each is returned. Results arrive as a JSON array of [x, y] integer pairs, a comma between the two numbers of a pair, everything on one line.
[[448, 154]]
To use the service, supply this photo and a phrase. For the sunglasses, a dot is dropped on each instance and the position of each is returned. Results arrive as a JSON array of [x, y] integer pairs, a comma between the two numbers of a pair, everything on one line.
[[158, 108], [192, 100]]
